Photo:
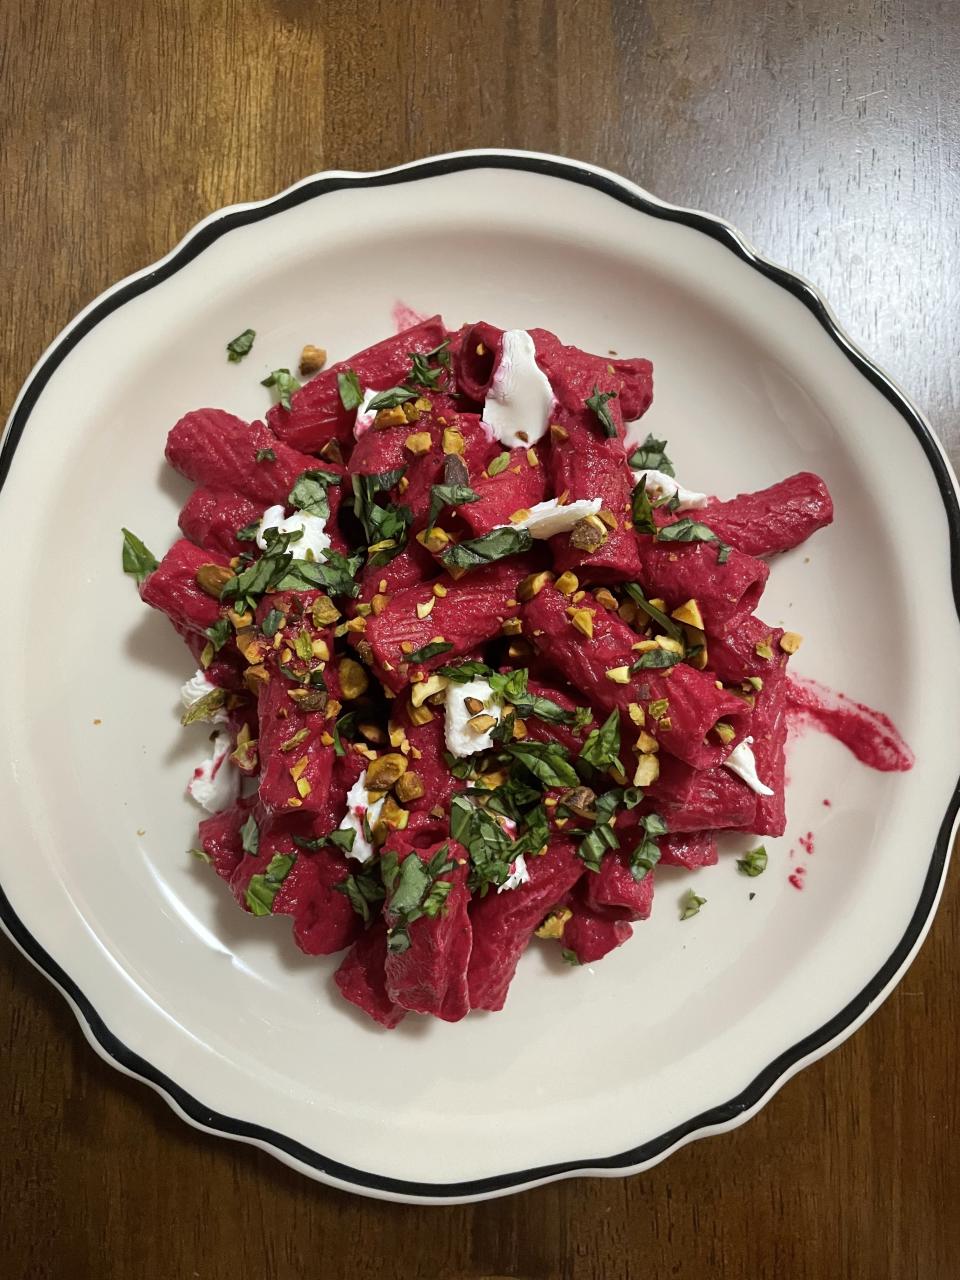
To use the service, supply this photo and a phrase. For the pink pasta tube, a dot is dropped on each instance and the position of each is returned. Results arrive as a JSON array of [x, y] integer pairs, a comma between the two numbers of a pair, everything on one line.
[[212, 518], [317, 413], [773, 519]]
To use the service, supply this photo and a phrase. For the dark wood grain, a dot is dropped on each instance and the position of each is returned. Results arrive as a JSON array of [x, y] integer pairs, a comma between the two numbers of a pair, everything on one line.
[[827, 130]]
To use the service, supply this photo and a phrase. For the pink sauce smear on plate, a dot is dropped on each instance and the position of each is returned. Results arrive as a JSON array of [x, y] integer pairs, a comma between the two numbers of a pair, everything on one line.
[[869, 734]]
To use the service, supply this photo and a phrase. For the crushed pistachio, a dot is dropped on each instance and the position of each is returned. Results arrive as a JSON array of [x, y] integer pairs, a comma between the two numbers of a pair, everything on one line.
[[312, 360], [212, 578], [433, 539], [425, 607], [689, 613], [589, 534], [394, 417], [409, 786], [452, 441], [481, 724], [764, 649], [619, 675], [582, 619], [791, 641], [418, 442], [567, 583], [558, 434], [647, 770], [533, 584], [552, 927]]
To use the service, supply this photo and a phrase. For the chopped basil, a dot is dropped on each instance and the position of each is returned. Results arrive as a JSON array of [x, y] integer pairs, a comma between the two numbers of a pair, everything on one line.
[[276, 570], [691, 905], [381, 524], [219, 634], [265, 455], [263, 888], [673, 629], [351, 393], [547, 761], [498, 464], [602, 747], [490, 848], [646, 854], [284, 383], [598, 403], [465, 672], [495, 545], [309, 492], [138, 561], [415, 890], [344, 837], [513, 688], [503, 730], [272, 623], [753, 863], [202, 856], [250, 836], [652, 456], [723, 555], [362, 888], [390, 398], [448, 495], [240, 346], [596, 843], [344, 725], [204, 708], [686, 530], [656, 658], [422, 373], [641, 509], [249, 532], [427, 651], [569, 957]]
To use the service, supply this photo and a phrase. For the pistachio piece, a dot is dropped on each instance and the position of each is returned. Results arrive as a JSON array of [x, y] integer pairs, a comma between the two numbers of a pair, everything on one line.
[[409, 786], [689, 613], [567, 583], [312, 360], [212, 578], [353, 679], [647, 771], [533, 584], [553, 926], [791, 641], [589, 534], [385, 771], [418, 442]]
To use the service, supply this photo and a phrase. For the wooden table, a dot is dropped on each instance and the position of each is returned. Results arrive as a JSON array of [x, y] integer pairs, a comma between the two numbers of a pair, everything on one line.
[[827, 130]]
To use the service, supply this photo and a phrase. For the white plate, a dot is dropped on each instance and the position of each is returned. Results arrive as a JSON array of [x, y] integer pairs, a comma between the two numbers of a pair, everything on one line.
[[690, 1027]]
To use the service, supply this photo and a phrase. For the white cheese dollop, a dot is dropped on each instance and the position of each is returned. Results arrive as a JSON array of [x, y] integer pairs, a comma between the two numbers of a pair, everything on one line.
[[743, 763], [314, 528], [364, 417], [550, 517], [358, 805], [520, 400], [461, 740], [197, 687], [214, 784], [660, 485], [518, 875]]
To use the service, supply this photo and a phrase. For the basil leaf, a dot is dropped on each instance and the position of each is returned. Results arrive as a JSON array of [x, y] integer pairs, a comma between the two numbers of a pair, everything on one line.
[[390, 398], [265, 455], [598, 403], [686, 530], [249, 532], [263, 888], [425, 375], [672, 628], [646, 855], [641, 509], [753, 863], [656, 659], [348, 386], [138, 561], [415, 890], [498, 464], [602, 747], [495, 545], [428, 651], [345, 724], [361, 888], [309, 492], [381, 524], [490, 848], [219, 634], [465, 672], [547, 761], [240, 346], [652, 456], [691, 905], [335, 575], [272, 623], [284, 383], [448, 495], [250, 836], [343, 838], [569, 957], [723, 555]]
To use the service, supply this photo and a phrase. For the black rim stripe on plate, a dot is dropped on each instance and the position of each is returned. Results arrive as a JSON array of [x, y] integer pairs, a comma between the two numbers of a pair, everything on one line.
[[767, 1079]]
